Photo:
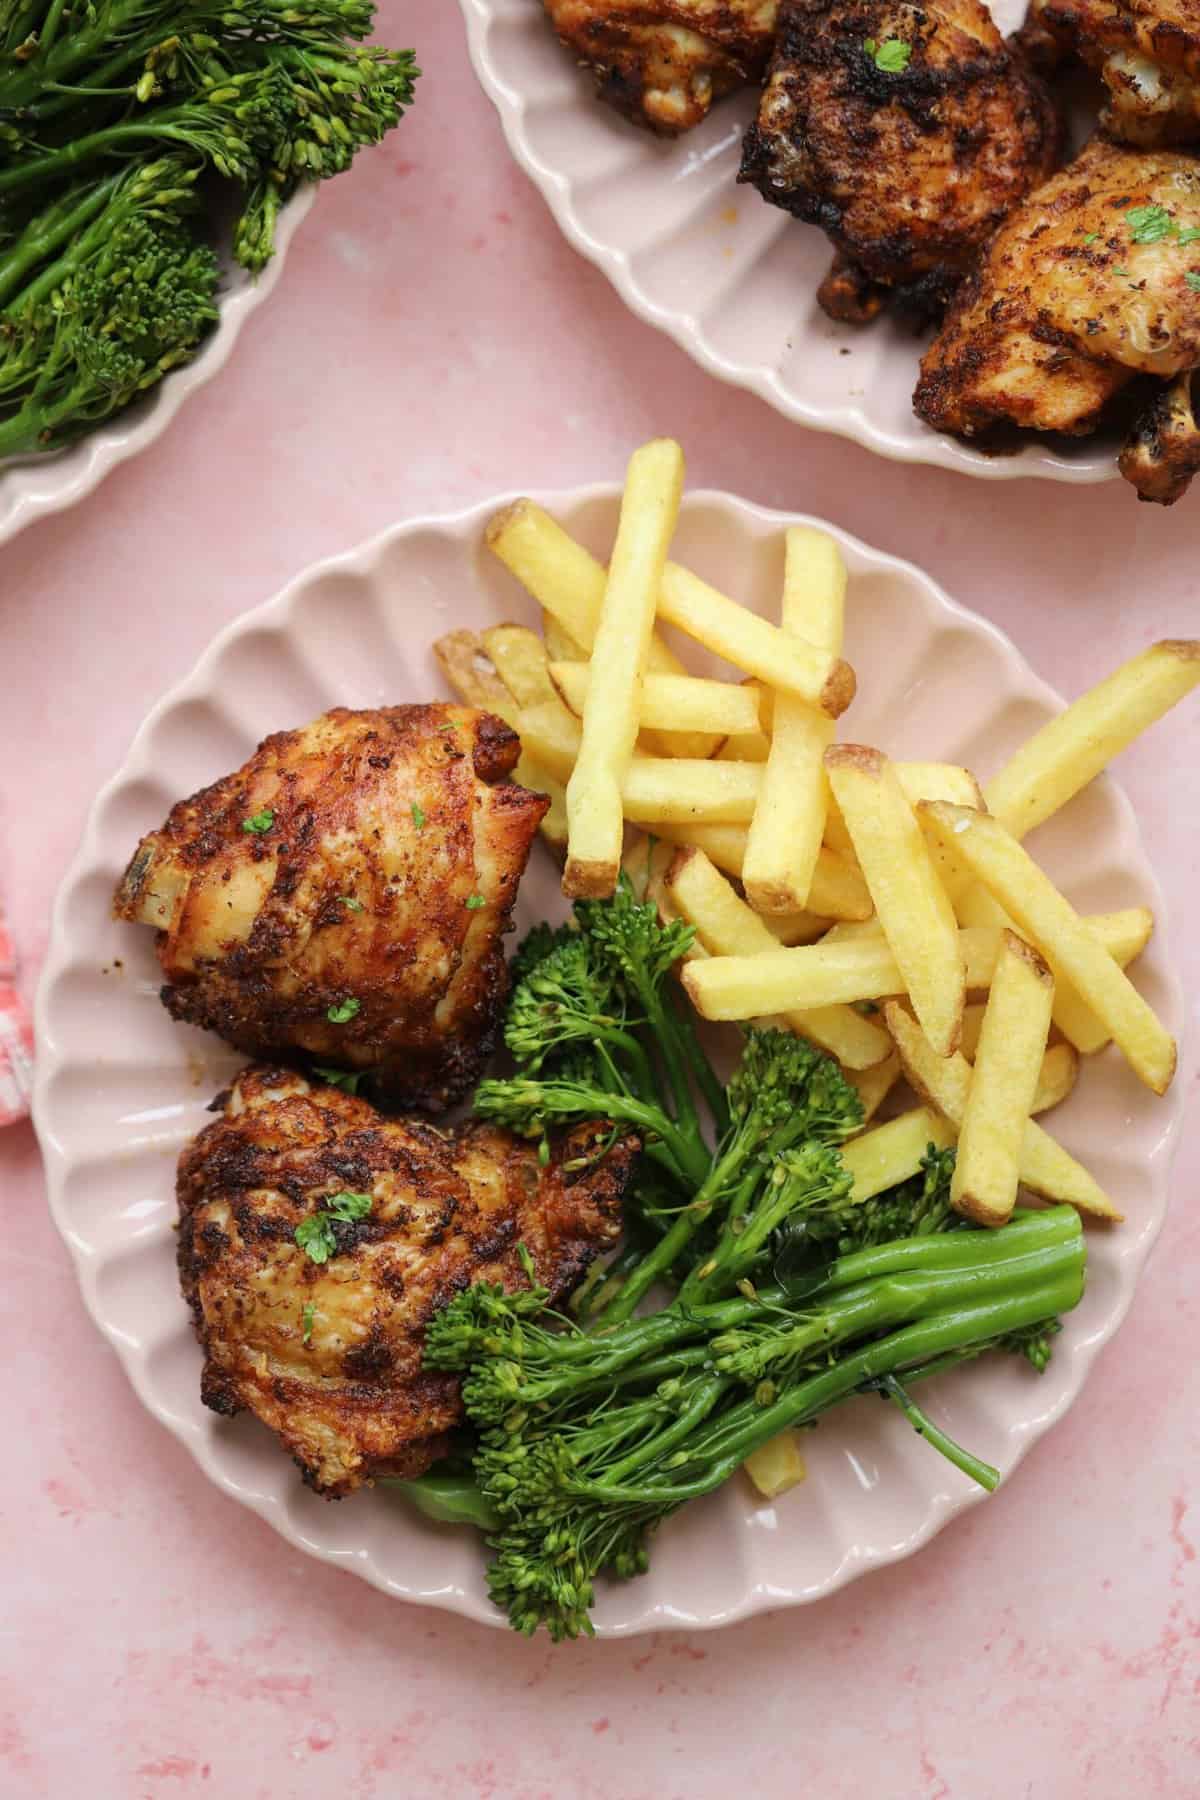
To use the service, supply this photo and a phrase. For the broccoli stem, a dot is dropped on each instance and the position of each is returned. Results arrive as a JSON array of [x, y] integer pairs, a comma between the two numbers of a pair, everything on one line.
[[450, 1499], [57, 226], [713, 1091], [974, 1466]]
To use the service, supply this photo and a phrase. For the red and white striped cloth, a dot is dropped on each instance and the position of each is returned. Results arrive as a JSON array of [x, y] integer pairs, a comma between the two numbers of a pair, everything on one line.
[[16, 1038]]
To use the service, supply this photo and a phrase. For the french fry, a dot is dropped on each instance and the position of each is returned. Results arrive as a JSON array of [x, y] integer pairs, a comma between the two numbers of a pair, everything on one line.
[[751, 643], [1000, 1098], [891, 1153], [667, 791], [1050, 922], [874, 1085], [838, 891], [727, 926], [945, 1081], [471, 673], [568, 583], [560, 645], [796, 928], [917, 918], [595, 822], [853, 969], [1068, 753], [752, 746], [777, 1466], [1059, 1071], [789, 821], [552, 734], [672, 702]]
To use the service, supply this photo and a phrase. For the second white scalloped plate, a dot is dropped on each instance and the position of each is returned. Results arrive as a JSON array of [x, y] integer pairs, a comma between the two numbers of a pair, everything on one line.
[[120, 1087], [731, 279], [34, 486]]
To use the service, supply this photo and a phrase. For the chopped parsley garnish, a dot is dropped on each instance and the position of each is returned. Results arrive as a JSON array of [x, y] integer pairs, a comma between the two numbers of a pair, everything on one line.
[[308, 1316], [1120, 271], [259, 821], [1150, 224], [343, 1010], [316, 1236], [474, 902], [1190, 235], [347, 1079], [892, 56], [1091, 237], [418, 817], [1193, 281]]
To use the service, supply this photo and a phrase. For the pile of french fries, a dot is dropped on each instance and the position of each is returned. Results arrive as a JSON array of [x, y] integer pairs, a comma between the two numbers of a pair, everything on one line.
[[888, 912]]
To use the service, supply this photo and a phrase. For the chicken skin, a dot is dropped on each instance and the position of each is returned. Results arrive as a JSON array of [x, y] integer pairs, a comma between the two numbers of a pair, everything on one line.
[[664, 62], [1148, 56], [1093, 281], [328, 1353], [906, 132], [344, 894]]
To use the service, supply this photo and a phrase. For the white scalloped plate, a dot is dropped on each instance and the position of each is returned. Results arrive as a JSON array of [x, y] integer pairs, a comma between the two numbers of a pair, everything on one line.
[[731, 279], [32, 487], [120, 1087]]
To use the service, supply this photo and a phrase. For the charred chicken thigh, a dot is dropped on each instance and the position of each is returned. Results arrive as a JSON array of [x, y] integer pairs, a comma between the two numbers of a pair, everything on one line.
[[1148, 56], [1094, 280], [344, 895], [664, 62], [327, 1353], [907, 132]]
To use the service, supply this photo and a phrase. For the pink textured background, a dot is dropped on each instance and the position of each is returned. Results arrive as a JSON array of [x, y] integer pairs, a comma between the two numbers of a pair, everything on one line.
[[433, 341]]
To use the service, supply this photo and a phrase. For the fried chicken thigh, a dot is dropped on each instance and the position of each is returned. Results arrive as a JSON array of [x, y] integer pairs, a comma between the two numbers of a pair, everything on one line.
[[328, 1354], [1148, 56], [1084, 288], [664, 62], [344, 894], [908, 170]]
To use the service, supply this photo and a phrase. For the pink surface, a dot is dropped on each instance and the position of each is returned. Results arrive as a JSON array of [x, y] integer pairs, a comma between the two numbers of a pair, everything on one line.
[[158, 1641]]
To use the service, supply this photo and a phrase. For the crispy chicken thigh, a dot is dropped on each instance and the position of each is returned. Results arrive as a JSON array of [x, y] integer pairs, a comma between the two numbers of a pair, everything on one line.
[[344, 895], [663, 62], [1085, 287], [1148, 56], [328, 1355], [909, 170]]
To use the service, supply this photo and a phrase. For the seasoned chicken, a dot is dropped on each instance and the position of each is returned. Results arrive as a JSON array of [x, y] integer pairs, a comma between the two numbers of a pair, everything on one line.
[[906, 132], [1148, 56], [344, 895], [1091, 282], [328, 1353], [663, 62]]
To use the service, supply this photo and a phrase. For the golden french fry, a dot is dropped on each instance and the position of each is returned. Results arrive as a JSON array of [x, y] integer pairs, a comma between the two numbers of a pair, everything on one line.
[[752, 746], [1069, 752], [796, 928], [777, 1466], [1000, 1098], [595, 822], [891, 1153], [874, 1085], [552, 734], [945, 1081], [672, 702], [1049, 921], [837, 892], [727, 926], [568, 583], [469, 670], [920, 781], [789, 821], [917, 918], [520, 658], [665, 791], [560, 645], [1058, 1074], [751, 643], [853, 969]]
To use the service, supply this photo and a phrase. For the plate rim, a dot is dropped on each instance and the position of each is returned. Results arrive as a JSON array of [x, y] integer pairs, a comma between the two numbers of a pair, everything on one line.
[[1033, 462], [113, 443], [460, 525]]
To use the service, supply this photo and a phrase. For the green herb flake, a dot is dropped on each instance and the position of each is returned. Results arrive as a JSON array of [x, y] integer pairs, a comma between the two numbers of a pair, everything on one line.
[[346, 1205], [1091, 237], [1120, 271], [308, 1317], [342, 1011], [314, 1236], [350, 903], [1193, 280], [418, 816], [259, 821], [346, 1079], [891, 57], [1150, 224], [474, 902], [1190, 235]]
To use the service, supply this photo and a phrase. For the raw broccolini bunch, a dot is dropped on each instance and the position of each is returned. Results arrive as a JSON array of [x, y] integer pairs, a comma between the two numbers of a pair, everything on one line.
[[116, 119]]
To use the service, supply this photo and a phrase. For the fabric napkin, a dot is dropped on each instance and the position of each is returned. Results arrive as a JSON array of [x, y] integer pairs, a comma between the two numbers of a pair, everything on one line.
[[16, 1038]]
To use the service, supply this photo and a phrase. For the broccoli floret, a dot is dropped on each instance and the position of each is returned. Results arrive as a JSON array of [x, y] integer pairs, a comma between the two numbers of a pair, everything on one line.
[[836, 1224]]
